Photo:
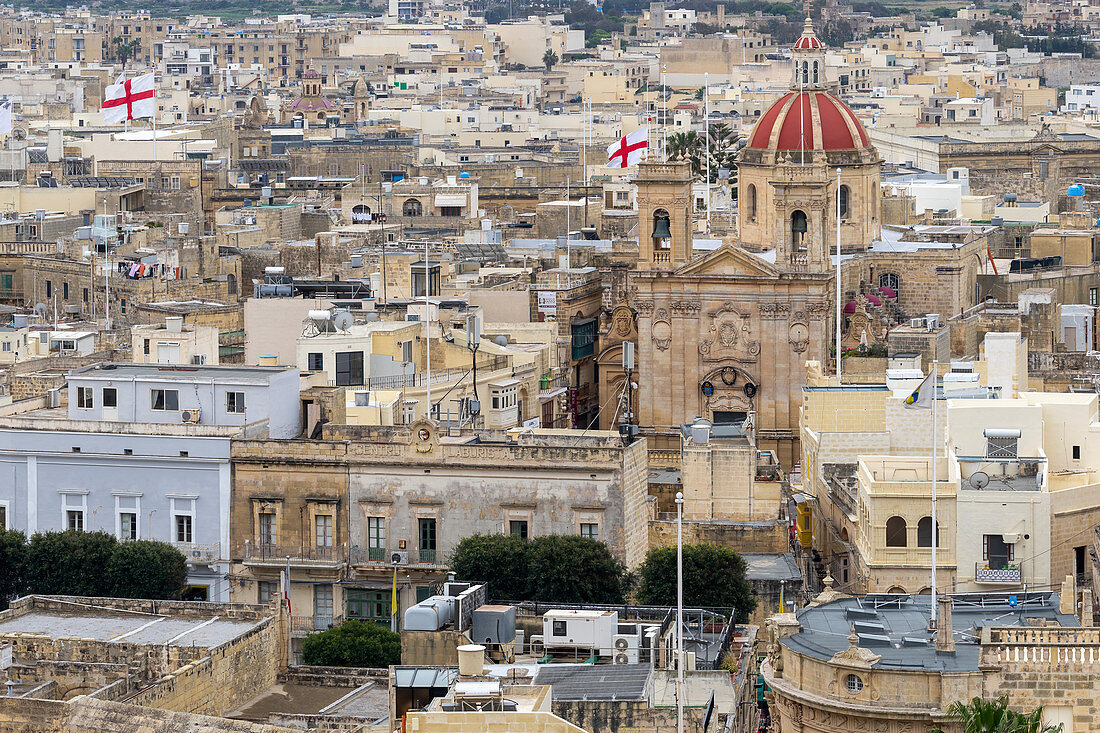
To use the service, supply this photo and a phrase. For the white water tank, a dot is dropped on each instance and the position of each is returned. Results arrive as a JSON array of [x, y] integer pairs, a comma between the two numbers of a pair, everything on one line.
[[471, 660]]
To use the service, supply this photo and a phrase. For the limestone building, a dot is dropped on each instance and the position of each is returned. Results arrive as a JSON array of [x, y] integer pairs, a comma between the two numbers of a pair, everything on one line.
[[726, 336]]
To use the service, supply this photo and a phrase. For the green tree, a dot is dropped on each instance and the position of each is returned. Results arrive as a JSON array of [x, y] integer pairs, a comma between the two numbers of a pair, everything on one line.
[[549, 59], [68, 563], [146, 569], [553, 568], [574, 569], [713, 577], [994, 716], [13, 552], [689, 146], [942, 12], [502, 560], [353, 644], [124, 50]]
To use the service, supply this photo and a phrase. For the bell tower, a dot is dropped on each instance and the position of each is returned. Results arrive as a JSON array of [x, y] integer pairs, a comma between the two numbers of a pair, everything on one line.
[[664, 214]]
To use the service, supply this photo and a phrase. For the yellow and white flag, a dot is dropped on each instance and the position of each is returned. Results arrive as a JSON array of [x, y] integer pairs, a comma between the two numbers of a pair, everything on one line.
[[922, 396]]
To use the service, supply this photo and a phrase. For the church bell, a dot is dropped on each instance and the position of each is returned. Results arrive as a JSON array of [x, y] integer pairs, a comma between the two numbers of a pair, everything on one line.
[[660, 228]]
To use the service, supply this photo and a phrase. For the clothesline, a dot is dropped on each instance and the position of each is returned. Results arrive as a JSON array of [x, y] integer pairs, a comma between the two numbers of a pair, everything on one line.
[[138, 270]]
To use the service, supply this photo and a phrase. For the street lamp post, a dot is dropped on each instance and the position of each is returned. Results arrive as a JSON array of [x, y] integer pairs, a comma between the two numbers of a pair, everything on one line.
[[679, 612]]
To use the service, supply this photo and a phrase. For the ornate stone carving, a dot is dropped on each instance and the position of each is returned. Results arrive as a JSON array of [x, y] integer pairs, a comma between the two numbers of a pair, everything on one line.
[[818, 309], [662, 329], [774, 310], [855, 655], [730, 331], [799, 337], [622, 322], [685, 307]]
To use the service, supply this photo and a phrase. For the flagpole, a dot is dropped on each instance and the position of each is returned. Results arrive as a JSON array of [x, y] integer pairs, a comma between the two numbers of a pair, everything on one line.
[[838, 355], [706, 135], [935, 526]]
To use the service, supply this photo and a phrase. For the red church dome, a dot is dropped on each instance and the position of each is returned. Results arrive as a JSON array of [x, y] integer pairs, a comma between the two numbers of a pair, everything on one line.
[[814, 120], [809, 117]]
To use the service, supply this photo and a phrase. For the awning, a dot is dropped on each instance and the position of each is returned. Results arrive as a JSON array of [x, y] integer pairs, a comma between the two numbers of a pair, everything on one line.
[[450, 199]]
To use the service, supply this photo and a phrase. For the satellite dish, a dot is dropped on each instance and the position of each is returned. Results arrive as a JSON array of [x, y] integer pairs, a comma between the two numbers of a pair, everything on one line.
[[978, 480], [343, 320], [40, 310]]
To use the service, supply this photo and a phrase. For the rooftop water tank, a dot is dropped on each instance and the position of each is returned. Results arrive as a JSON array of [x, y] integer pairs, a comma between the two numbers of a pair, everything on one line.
[[1076, 190]]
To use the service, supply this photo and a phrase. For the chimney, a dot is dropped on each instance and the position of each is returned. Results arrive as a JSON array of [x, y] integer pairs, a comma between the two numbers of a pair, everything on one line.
[[1067, 601], [945, 632], [1086, 607]]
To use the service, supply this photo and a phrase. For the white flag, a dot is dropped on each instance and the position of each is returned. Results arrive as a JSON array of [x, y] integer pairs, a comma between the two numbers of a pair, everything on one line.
[[629, 149], [5, 117], [133, 99], [922, 396]]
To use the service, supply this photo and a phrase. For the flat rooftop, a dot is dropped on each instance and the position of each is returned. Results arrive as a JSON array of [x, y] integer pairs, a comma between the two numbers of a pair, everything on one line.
[[771, 566], [896, 627], [103, 624], [178, 373]]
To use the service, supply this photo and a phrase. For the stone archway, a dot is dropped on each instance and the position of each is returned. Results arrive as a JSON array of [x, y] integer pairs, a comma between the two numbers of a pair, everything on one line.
[[731, 394]]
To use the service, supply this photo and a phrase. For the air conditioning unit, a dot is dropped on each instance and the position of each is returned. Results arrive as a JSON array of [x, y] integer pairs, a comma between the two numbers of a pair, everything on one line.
[[627, 657], [916, 323], [191, 416], [933, 321], [399, 557], [626, 649]]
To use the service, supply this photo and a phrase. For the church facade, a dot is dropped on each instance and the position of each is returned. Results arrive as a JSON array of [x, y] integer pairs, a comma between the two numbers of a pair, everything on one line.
[[726, 336]]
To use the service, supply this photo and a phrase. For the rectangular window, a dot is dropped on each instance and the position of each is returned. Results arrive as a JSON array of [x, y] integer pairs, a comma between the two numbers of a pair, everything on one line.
[[64, 291], [322, 607], [183, 528], [75, 519], [590, 530], [110, 397], [323, 530], [427, 538], [3, 516], [559, 628], [267, 528], [369, 605], [315, 362], [406, 351], [127, 526], [84, 398], [266, 590], [996, 552], [349, 369], [49, 289], [145, 347], [166, 400], [1076, 452], [518, 529], [234, 402], [376, 538], [1093, 297]]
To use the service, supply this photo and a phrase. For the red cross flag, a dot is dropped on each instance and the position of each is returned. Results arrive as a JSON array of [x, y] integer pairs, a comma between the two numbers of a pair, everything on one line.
[[131, 99], [629, 149]]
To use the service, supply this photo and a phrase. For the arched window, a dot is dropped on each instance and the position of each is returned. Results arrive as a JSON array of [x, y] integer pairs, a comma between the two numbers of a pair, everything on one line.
[[815, 73], [896, 534], [662, 232], [412, 207], [798, 230], [896, 590], [890, 280], [751, 203], [845, 198], [805, 72], [924, 532]]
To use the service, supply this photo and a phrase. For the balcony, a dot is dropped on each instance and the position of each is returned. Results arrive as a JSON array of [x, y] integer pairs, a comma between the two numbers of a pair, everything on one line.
[[303, 625], [361, 556], [1010, 574], [196, 553], [265, 554]]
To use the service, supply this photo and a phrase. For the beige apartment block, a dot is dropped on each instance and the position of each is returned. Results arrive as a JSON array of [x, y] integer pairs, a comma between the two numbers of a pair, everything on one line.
[[174, 343]]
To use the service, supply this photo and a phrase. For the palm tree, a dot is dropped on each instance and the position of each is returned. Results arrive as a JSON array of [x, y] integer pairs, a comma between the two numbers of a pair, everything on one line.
[[686, 146], [549, 58], [126, 50], [994, 716]]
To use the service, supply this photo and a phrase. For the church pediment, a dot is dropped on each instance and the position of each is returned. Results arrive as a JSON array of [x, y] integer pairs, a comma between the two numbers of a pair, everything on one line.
[[729, 261]]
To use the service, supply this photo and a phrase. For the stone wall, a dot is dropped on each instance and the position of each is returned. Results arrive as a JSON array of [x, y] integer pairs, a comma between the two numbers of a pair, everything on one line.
[[767, 536], [88, 715], [635, 716], [229, 676]]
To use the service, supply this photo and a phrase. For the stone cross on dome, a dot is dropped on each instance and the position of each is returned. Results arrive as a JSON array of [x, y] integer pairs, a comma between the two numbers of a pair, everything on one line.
[[809, 60]]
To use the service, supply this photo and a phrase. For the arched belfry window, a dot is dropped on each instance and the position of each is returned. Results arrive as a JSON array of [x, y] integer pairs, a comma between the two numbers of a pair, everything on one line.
[[752, 202], [799, 227], [815, 73]]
